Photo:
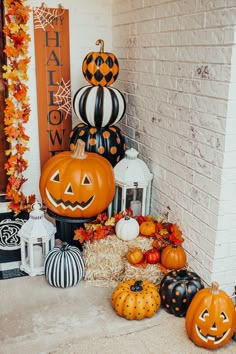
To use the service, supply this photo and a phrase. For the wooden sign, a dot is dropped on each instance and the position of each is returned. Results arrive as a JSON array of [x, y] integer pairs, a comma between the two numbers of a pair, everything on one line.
[[52, 59]]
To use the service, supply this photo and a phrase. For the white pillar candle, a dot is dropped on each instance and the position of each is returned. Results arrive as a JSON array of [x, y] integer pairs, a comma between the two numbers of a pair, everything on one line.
[[38, 256], [135, 205]]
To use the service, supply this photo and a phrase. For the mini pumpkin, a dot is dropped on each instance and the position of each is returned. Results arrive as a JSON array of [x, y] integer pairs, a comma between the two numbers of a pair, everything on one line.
[[127, 228], [211, 318], [64, 266], [177, 289], [173, 257], [77, 184], [136, 299], [147, 228], [100, 68], [99, 106], [135, 255], [152, 256], [107, 142]]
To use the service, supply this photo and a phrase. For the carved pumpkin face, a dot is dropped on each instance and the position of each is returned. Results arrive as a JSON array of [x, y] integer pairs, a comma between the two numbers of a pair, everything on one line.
[[211, 318], [76, 184]]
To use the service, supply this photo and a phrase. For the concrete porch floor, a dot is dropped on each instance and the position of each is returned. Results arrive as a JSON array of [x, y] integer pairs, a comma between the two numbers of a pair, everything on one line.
[[36, 318]]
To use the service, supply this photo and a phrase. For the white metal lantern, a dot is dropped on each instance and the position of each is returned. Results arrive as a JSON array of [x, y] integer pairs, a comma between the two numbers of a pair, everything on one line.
[[37, 238], [133, 185]]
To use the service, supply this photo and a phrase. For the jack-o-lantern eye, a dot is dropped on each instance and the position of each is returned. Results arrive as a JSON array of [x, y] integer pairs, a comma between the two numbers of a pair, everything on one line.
[[55, 177], [69, 189], [203, 315], [224, 316], [86, 181]]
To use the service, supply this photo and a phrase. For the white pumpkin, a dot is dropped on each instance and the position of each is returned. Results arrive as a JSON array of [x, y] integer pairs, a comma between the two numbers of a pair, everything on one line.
[[127, 228]]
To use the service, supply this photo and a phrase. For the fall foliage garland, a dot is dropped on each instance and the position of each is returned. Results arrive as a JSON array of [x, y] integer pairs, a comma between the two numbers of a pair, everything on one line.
[[17, 107]]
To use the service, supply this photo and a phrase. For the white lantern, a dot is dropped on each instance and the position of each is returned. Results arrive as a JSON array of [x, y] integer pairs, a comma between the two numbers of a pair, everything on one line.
[[133, 185], [37, 238]]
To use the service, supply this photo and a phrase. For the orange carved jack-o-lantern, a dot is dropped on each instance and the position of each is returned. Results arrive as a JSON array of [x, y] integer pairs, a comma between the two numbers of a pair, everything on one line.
[[211, 318], [77, 184]]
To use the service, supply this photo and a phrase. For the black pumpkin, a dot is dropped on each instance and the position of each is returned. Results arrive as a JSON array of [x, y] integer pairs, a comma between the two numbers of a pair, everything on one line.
[[108, 142], [177, 290], [99, 106]]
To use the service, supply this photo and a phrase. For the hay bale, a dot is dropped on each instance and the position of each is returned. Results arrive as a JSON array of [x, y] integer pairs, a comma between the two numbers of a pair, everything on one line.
[[105, 259], [151, 272]]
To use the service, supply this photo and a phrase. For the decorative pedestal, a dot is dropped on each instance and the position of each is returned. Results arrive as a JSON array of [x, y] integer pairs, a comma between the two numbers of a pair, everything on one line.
[[66, 227]]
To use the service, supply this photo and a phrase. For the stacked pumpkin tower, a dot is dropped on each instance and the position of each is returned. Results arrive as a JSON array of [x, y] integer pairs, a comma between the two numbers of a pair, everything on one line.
[[100, 106]]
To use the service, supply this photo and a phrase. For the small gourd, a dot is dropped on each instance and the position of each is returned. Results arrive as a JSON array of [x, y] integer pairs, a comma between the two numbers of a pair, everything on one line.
[[135, 255], [211, 318], [127, 228], [147, 228], [136, 299]]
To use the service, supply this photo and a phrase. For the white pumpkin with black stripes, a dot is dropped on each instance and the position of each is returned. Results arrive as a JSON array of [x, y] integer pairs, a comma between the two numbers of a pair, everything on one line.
[[99, 106], [64, 266]]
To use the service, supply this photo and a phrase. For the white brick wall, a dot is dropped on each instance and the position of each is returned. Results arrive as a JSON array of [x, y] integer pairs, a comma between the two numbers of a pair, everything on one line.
[[178, 72]]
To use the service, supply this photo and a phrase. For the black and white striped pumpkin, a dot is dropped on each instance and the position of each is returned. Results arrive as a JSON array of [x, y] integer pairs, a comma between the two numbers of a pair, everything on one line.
[[99, 106], [64, 266]]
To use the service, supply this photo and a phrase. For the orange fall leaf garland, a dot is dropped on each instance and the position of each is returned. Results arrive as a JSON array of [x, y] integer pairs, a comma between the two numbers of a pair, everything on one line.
[[17, 107]]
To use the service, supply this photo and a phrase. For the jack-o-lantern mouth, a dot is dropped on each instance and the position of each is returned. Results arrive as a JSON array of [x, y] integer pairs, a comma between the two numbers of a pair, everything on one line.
[[68, 204], [209, 337]]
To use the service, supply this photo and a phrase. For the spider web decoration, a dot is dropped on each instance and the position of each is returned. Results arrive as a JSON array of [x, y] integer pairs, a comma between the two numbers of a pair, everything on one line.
[[63, 97], [44, 17]]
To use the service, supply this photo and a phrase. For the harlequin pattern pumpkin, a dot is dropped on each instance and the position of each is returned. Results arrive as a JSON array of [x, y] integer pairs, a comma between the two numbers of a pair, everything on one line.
[[99, 106], [173, 257], [177, 290], [100, 68], [108, 142], [77, 184], [127, 228], [64, 266], [136, 299], [211, 318]]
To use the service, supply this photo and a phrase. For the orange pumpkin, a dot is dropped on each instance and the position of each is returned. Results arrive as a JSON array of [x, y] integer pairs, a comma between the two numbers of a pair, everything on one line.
[[77, 184], [147, 228], [136, 299], [211, 318], [135, 255], [173, 257], [100, 68]]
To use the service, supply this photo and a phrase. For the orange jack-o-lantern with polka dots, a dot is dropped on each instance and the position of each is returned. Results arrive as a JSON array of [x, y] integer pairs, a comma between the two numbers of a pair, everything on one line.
[[211, 318], [136, 299], [177, 290], [107, 142], [77, 184]]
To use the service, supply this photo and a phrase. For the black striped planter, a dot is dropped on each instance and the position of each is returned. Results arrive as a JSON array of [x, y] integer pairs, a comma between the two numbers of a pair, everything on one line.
[[99, 106], [64, 266]]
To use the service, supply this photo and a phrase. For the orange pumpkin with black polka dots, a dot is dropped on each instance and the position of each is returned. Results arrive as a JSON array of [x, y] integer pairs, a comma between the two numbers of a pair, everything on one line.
[[136, 299], [108, 142], [177, 289]]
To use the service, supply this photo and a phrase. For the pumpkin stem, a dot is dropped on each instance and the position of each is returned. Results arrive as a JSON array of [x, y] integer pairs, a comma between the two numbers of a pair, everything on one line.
[[214, 287], [127, 217], [101, 43], [65, 246], [79, 150], [137, 286]]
